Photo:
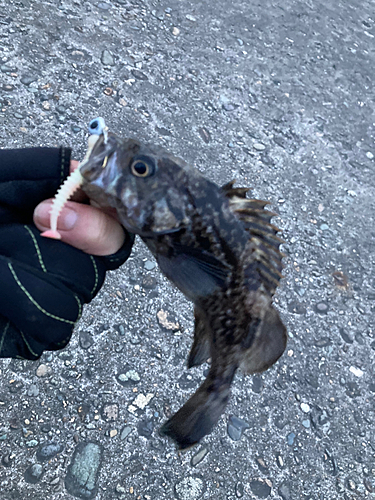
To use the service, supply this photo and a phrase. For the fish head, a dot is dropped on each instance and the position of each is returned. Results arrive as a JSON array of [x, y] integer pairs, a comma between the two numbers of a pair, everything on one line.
[[146, 184]]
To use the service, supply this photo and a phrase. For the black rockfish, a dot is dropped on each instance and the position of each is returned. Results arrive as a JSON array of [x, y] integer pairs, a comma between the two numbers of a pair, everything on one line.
[[217, 246]]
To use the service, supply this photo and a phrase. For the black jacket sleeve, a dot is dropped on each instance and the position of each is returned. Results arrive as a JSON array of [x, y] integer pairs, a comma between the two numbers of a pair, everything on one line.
[[43, 283]]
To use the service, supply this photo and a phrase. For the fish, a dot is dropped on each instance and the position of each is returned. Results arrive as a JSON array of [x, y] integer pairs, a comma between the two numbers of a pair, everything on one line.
[[214, 243]]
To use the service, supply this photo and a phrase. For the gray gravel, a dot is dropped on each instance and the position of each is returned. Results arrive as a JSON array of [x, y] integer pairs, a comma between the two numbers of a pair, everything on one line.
[[280, 96]]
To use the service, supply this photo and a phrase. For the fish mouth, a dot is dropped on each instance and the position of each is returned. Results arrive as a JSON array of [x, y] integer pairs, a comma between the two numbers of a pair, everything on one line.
[[98, 153]]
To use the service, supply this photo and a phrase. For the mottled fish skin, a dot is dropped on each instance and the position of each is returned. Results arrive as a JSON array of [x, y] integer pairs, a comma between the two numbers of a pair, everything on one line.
[[217, 246]]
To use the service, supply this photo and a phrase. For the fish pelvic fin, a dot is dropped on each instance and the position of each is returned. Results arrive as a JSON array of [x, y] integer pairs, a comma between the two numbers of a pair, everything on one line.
[[200, 350], [268, 345], [201, 412]]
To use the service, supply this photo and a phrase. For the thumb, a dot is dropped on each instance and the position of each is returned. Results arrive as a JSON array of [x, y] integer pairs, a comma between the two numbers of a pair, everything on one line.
[[83, 226]]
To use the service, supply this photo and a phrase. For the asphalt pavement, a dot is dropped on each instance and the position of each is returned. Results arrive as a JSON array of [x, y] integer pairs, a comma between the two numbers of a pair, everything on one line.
[[279, 95]]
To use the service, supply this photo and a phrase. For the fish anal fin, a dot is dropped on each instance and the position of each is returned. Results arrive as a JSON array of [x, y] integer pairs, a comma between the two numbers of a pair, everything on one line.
[[268, 345]]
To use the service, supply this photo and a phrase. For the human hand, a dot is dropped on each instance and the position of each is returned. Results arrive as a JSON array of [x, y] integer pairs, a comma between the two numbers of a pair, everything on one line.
[[44, 283], [92, 230]]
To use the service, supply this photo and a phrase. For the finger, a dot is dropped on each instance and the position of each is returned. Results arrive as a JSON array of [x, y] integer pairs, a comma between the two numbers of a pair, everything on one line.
[[84, 227], [73, 165]]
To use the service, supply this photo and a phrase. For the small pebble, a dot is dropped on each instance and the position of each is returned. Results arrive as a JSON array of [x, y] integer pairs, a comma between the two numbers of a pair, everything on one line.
[[125, 432], [113, 433], [290, 438], [352, 193], [205, 135], [110, 412], [258, 146], [356, 371], [321, 307], [33, 473], [260, 488], [305, 407], [149, 265], [33, 390], [239, 490], [107, 58], [28, 79], [85, 340], [129, 378], [229, 106], [145, 428], [262, 465], [306, 423], [139, 75], [190, 488], [235, 428], [175, 31], [198, 457], [43, 370], [32, 443], [346, 336], [164, 322], [81, 478], [48, 451], [369, 155], [191, 18], [140, 402]]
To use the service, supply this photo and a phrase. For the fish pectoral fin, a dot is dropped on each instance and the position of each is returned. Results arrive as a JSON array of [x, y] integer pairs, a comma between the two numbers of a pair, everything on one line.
[[205, 261], [195, 272], [268, 345]]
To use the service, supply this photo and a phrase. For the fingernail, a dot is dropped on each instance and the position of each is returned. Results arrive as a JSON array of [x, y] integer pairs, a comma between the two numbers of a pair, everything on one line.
[[41, 213], [67, 219]]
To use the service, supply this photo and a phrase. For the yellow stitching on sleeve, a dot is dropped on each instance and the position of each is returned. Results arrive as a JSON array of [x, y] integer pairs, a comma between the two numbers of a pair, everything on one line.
[[28, 345], [39, 253], [79, 307], [34, 301], [3, 335], [96, 274]]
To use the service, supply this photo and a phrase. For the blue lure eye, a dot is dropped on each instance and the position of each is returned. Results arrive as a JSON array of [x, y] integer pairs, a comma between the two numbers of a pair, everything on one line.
[[97, 126]]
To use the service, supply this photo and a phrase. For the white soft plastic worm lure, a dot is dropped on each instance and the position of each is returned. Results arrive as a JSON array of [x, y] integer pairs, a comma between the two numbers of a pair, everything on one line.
[[75, 179]]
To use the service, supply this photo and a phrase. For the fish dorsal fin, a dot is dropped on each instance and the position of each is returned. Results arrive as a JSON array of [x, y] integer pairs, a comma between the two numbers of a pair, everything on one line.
[[266, 256]]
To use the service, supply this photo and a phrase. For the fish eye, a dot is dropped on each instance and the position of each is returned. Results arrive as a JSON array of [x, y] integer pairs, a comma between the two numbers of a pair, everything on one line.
[[142, 168]]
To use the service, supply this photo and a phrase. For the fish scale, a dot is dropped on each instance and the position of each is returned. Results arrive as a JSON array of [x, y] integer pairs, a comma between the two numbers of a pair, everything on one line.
[[215, 244]]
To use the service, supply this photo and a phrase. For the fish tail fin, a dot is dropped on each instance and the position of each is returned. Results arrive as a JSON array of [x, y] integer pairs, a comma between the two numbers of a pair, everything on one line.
[[200, 350], [201, 412], [268, 345]]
